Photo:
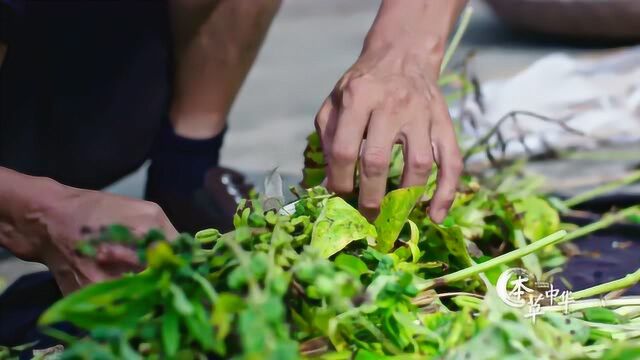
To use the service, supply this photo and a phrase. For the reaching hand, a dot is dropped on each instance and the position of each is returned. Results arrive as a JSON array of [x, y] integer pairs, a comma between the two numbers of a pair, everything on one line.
[[385, 98], [49, 233]]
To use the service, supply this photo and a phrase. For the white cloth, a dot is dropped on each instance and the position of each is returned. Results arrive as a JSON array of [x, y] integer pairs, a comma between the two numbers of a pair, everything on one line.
[[599, 97]]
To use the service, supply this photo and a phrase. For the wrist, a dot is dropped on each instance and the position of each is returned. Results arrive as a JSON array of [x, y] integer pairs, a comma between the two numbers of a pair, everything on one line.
[[417, 30], [27, 202], [424, 55]]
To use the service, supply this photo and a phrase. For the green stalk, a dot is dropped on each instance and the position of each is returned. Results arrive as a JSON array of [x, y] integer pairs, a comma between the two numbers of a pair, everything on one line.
[[552, 239], [592, 303], [622, 283], [603, 189], [606, 221], [455, 41]]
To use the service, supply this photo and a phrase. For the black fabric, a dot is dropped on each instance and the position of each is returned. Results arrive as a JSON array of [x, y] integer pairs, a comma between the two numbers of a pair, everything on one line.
[[21, 304], [178, 164], [84, 88], [8, 10]]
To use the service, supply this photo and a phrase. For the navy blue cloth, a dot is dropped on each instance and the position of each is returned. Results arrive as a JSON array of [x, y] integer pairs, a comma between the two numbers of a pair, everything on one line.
[[84, 87], [178, 164], [21, 304]]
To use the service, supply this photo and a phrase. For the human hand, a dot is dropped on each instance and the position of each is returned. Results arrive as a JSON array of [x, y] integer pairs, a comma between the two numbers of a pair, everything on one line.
[[389, 96], [49, 230]]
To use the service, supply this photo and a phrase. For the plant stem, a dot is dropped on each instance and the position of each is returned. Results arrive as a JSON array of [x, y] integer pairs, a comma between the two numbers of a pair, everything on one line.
[[552, 239], [604, 222], [455, 41], [622, 283], [229, 240], [603, 189], [591, 303]]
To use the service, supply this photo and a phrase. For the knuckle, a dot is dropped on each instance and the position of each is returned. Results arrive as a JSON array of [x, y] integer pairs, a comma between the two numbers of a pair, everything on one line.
[[352, 93], [343, 154], [420, 163], [152, 209], [341, 187], [375, 160], [456, 166], [355, 86]]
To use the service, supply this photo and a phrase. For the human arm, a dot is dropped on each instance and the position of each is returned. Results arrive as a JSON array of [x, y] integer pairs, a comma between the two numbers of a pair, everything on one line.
[[42, 220], [215, 43], [390, 95]]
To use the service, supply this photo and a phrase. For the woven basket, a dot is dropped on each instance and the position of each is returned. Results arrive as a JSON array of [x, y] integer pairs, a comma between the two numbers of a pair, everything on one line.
[[580, 19]]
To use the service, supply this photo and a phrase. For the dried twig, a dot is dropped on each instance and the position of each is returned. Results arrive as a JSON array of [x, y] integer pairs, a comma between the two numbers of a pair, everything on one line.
[[484, 140]]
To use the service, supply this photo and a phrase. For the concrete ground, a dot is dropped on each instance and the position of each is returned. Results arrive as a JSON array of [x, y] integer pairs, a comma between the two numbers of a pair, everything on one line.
[[310, 45]]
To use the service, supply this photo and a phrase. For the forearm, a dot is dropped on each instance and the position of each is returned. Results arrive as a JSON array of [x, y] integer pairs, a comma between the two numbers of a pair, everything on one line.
[[417, 28], [216, 42]]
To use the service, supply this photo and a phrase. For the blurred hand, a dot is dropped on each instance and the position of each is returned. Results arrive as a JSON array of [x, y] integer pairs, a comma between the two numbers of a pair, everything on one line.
[[49, 233], [386, 97]]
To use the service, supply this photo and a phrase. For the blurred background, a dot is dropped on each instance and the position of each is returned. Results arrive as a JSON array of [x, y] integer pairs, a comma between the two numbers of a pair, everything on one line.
[[311, 43]]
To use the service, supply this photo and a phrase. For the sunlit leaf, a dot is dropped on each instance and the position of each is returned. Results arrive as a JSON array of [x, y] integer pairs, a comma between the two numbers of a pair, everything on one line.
[[394, 212], [337, 226]]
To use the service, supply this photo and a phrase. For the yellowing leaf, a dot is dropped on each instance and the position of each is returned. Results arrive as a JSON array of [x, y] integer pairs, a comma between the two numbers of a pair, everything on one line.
[[160, 255], [540, 218], [338, 225], [394, 212]]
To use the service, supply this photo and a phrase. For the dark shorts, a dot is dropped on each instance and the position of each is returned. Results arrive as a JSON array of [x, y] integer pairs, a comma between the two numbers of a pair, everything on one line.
[[84, 87]]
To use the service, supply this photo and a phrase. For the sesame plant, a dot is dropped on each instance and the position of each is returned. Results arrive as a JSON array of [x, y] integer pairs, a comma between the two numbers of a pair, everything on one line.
[[314, 279]]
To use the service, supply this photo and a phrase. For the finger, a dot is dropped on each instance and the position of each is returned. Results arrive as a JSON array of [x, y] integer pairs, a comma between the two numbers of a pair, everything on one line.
[[343, 155], [325, 124], [449, 160], [112, 254], [374, 164], [418, 155], [169, 230]]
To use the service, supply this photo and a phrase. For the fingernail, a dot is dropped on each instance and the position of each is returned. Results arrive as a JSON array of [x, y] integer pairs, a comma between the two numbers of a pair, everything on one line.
[[438, 215], [368, 213]]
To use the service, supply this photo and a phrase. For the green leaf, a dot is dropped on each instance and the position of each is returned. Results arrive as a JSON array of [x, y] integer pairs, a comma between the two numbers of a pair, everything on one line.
[[394, 212], [413, 241], [226, 306], [602, 315], [180, 301], [573, 327], [170, 333], [540, 218], [456, 244], [199, 327], [623, 351], [160, 255], [313, 177], [351, 264], [93, 298], [368, 355], [337, 226]]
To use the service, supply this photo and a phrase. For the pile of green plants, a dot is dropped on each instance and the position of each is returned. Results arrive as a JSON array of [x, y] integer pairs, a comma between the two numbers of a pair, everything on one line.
[[315, 279]]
